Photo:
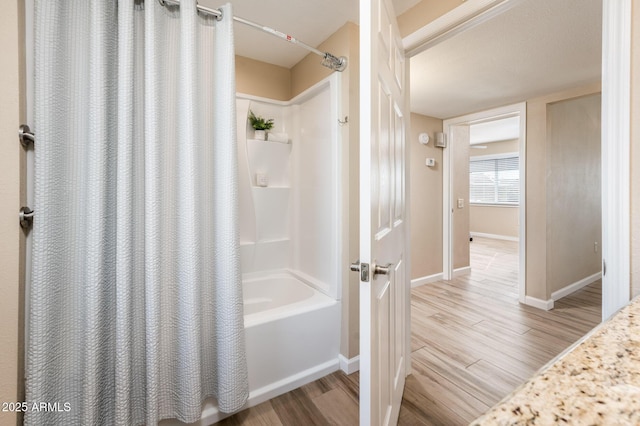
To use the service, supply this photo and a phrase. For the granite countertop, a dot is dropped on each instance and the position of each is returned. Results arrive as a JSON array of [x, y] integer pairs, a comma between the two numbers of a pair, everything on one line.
[[594, 382]]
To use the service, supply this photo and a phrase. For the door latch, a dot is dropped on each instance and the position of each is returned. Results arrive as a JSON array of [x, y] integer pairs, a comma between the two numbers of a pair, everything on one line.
[[363, 268]]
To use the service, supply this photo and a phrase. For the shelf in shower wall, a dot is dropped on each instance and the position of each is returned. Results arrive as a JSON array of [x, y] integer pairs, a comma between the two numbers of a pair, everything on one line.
[[271, 159], [269, 142], [274, 241]]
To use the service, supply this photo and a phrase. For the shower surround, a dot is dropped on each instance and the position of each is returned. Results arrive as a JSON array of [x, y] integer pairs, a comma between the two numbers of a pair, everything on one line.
[[291, 242]]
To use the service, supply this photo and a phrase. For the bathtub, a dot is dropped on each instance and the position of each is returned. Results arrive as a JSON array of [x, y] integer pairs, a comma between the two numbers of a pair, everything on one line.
[[279, 295], [292, 337]]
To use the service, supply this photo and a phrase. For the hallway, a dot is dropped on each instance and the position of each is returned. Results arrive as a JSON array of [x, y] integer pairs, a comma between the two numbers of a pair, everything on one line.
[[473, 343]]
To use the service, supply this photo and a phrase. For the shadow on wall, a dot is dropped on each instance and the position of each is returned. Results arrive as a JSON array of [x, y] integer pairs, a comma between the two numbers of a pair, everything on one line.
[[426, 200]]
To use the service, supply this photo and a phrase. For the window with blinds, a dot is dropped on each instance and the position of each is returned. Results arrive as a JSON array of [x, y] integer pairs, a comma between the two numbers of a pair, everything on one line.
[[494, 180]]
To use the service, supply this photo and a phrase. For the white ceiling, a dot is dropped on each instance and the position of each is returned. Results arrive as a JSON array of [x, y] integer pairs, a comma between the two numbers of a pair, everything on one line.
[[535, 48], [311, 22], [503, 129]]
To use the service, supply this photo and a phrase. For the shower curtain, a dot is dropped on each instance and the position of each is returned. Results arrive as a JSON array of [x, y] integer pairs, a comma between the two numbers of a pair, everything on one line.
[[135, 305]]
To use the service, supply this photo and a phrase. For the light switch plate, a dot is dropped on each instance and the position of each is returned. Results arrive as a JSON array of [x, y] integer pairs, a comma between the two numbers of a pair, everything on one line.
[[460, 203]]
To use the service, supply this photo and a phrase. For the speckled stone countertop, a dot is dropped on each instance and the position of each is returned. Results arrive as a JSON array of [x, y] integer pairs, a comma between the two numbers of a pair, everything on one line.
[[594, 382]]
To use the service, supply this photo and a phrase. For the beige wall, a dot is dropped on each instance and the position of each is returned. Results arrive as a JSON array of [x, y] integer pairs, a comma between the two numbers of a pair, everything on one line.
[[10, 161], [496, 220], [460, 189], [423, 13], [635, 150], [536, 204], [308, 71], [426, 199], [262, 79], [574, 219]]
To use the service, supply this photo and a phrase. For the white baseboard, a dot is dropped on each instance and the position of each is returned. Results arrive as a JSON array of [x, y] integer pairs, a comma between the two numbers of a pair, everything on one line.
[[426, 280], [349, 365], [211, 414], [545, 305], [571, 288], [494, 236], [437, 277], [462, 271]]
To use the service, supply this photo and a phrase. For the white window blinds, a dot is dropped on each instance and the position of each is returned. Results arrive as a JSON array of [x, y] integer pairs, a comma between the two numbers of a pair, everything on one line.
[[494, 180]]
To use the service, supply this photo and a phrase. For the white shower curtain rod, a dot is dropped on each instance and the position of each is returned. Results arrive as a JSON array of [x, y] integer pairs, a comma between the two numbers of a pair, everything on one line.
[[328, 60]]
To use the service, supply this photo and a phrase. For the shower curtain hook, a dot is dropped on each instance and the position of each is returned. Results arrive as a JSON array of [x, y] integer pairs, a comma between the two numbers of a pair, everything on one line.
[[162, 3]]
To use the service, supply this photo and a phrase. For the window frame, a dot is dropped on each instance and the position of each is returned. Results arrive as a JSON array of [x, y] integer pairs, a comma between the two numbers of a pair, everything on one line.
[[490, 157]]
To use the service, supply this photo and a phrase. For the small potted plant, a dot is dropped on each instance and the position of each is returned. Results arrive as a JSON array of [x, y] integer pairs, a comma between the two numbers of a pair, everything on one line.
[[260, 125]]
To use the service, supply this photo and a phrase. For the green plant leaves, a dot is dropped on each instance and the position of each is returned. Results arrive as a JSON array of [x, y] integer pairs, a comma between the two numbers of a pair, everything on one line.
[[260, 123]]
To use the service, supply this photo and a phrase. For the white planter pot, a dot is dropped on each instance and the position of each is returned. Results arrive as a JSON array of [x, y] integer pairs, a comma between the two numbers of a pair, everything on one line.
[[260, 135]]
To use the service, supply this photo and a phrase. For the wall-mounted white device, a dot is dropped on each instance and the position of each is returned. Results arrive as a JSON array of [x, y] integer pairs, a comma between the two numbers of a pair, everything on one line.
[[430, 162], [441, 140], [423, 138], [262, 179]]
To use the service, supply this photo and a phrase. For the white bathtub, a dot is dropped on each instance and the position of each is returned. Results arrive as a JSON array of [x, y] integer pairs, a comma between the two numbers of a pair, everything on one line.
[[279, 295], [292, 336]]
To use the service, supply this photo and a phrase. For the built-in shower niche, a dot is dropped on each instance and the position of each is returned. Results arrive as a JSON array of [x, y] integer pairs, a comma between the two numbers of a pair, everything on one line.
[[269, 169], [266, 193]]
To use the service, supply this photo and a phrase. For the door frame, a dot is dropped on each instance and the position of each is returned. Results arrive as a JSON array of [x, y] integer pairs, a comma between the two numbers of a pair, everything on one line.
[[616, 152], [515, 110]]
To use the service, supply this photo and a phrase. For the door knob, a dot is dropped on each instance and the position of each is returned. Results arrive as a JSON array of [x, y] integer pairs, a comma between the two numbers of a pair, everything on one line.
[[363, 268], [382, 270]]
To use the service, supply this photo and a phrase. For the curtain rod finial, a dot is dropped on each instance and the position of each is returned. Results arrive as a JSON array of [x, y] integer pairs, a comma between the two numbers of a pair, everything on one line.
[[334, 63]]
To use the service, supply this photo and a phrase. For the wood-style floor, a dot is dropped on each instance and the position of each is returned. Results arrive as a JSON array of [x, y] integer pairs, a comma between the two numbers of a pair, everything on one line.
[[472, 344]]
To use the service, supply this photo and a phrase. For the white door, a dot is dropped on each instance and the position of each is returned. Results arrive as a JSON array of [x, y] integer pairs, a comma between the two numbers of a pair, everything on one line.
[[384, 296]]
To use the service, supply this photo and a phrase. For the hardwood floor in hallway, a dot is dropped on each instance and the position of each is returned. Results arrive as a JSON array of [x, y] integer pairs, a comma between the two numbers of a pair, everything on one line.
[[472, 344]]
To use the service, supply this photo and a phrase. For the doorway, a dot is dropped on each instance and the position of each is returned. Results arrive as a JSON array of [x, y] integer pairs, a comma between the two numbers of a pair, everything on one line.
[[455, 229], [612, 21]]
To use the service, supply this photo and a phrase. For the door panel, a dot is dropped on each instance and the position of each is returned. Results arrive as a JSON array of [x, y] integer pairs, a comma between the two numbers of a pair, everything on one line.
[[384, 163], [384, 296], [399, 166], [398, 344], [384, 345]]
